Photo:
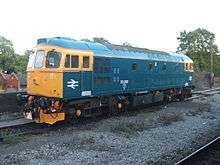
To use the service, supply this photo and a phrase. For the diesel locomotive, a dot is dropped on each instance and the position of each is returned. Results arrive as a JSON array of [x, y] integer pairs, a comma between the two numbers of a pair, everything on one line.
[[67, 78]]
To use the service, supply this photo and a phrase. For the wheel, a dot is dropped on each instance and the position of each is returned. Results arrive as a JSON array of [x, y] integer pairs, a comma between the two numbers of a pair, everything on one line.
[[165, 99], [181, 97], [112, 106], [118, 104], [74, 116]]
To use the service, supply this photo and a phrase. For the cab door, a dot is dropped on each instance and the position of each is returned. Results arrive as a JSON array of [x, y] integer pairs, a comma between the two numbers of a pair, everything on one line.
[[72, 76], [86, 75]]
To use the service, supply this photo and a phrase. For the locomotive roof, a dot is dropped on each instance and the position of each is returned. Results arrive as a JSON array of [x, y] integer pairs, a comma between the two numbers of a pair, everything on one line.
[[110, 50]]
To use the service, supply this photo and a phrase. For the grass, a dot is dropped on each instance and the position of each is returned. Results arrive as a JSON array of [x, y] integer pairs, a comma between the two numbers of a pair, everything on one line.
[[169, 118], [201, 109], [8, 138], [128, 129], [14, 139]]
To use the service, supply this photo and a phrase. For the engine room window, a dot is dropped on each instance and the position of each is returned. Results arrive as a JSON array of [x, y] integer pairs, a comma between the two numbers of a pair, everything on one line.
[[85, 62], [151, 66], [134, 66], [74, 61], [39, 59], [164, 67], [53, 59], [67, 61]]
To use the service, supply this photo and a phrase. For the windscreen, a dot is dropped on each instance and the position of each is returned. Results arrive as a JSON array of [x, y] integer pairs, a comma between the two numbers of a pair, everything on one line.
[[36, 59], [31, 60], [53, 59], [39, 59]]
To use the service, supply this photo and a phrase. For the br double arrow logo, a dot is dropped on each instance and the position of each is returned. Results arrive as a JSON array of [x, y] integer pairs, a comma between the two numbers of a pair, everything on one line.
[[72, 84]]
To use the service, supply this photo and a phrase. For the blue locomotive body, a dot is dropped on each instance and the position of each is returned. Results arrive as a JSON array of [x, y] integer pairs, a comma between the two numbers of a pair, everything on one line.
[[118, 71]]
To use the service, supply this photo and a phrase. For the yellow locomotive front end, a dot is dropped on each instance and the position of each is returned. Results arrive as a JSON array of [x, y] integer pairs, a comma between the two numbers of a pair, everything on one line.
[[44, 85], [51, 80]]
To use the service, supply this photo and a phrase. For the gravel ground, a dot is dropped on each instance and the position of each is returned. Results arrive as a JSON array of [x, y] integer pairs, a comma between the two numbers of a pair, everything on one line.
[[156, 135]]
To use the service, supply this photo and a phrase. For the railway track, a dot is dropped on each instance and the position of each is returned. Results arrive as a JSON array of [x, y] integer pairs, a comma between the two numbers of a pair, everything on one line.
[[208, 154], [204, 93], [23, 126], [19, 127]]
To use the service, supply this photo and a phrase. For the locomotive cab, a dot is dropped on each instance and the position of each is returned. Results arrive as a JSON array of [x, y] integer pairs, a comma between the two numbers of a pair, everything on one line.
[[48, 66]]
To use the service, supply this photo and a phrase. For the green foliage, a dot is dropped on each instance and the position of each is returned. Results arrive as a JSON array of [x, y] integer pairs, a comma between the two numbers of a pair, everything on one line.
[[20, 63], [103, 40], [6, 54], [216, 63], [12, 139], [199, 45], [128, 129], [9, 60], [99, 39], [126, 44], [86, 39]]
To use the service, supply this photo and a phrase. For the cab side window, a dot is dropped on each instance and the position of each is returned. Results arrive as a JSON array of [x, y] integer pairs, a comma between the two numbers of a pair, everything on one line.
[[74, 61], [67, 61], [85, 62], [187, 66], [134, 66], [191, 66]]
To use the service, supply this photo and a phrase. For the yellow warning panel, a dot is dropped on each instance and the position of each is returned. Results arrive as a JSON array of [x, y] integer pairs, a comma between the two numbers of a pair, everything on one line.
[[50, 118]]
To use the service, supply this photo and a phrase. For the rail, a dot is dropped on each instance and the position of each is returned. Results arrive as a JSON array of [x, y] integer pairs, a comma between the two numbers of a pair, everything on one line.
[[197, 154]]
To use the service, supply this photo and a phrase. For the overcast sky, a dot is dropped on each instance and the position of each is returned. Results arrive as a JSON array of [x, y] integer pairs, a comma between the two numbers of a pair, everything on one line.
[[151, 24]]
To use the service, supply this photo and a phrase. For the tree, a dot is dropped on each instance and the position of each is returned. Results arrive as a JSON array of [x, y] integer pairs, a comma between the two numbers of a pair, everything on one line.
[[100, 39], [86, 39], [9, 60], [199, 45], [20, 63], [27, 53], [126, 44], [6, 54]]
